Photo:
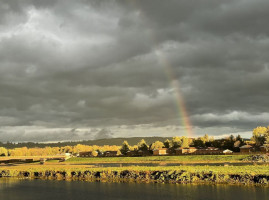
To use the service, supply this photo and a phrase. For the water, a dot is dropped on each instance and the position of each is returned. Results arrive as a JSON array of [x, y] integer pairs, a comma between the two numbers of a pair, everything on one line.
[[14, 189]]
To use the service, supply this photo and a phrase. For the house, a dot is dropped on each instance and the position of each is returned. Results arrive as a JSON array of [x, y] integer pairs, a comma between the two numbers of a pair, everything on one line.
[[66, 154], [209, 151], [171, 151], [85, 154], [159, 152], [227, 152], [181, 151], [189, 150], [110, 153], [264, 149], [144, 153], [214, 151], [132, 153], [246, 149]]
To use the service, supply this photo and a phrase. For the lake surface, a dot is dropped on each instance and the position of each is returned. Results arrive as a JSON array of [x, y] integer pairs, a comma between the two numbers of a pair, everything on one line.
[[14, 189]]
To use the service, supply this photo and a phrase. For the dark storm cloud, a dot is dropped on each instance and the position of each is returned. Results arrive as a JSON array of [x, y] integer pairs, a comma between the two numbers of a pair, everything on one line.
[[66, 64]]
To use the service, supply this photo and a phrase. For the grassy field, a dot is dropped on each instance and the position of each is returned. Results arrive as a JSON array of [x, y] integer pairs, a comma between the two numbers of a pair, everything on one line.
[[249, 169], [180, 174], [166, 159], [84, 169]]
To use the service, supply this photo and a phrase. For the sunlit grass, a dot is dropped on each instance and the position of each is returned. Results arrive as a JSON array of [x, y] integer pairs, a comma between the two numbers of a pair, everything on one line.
[[176, 159], [251, 174], [249, 169]]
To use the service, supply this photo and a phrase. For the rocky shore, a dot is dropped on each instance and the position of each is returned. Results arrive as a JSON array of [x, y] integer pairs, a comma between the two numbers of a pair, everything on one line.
[[258, 158], [181, 176]]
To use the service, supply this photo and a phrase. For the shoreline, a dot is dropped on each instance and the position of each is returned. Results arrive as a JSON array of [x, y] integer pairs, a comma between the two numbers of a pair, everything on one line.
[[175, 175], [165, 162]]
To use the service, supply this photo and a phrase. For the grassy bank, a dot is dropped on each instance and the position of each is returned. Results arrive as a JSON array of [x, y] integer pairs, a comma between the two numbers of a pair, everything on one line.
[[182, 174], [154, 159]]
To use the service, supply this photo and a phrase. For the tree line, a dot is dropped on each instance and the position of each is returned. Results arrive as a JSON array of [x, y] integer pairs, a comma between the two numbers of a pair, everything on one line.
[[231, 142], [259, 137]]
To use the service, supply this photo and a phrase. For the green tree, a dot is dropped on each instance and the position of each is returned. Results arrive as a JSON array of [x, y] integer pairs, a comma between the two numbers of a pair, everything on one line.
[[167, 143], [176, 142], [232, 139], [156, 145], [229, 142], [125, 148], [239, 138], [199, 142], [142, 145]]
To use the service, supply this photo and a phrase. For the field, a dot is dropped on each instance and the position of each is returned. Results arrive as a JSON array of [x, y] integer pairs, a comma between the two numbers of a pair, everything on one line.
[[165, 159], [249, 169], [84, 169], [180, 174]]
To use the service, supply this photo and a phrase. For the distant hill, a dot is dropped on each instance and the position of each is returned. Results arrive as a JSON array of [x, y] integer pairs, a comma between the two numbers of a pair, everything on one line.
[[99, 142]]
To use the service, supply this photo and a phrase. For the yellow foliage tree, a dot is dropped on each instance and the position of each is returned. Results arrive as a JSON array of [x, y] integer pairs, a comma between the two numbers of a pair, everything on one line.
[[260, 135]]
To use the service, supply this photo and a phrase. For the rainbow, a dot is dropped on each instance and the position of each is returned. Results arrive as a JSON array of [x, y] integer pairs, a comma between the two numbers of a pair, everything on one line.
[[179, 100]]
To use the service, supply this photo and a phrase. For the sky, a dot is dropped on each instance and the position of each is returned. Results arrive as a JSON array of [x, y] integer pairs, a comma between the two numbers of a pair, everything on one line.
[[91, 69]]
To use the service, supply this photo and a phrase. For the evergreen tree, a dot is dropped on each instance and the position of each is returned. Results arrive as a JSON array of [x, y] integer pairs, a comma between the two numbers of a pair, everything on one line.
[[142, 145], [167, 143], [199, 142], [125, 148]]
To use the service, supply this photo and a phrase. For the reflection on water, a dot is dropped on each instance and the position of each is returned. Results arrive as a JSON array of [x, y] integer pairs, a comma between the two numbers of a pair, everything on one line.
[[50, 190], [8, 182]]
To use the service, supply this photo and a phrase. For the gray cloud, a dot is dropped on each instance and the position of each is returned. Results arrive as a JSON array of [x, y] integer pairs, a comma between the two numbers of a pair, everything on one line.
[[102, 64]]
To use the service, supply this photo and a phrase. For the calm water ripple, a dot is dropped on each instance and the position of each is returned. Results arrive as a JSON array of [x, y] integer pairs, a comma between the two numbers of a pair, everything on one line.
[[14, 189]]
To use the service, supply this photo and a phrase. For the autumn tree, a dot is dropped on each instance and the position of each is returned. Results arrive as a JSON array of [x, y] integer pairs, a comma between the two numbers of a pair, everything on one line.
[[260, 134], [80, 148], [18, 151], [134, 148], [67, 149], [94, 153], [206, 138], [156, 145], [185, 142], [3, 151]]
